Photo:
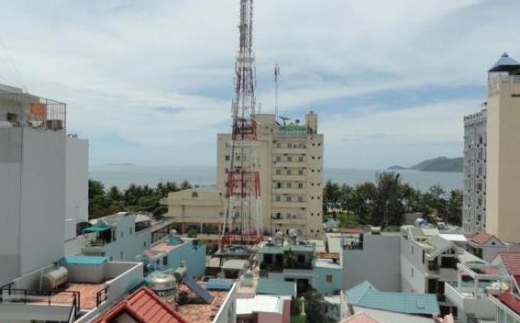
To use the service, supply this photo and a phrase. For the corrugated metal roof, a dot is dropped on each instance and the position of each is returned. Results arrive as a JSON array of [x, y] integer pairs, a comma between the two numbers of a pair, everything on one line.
[[219, 284], [144, 307], [235, 264], [275, 287], [511, 261], [439, 245], [366, 295]]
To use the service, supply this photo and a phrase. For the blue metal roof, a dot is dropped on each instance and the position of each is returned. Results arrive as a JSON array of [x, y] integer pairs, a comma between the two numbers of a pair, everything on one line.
[[84, 260], [505, 64], [219, 284], [96, 228], [366, 295], [275, 287]]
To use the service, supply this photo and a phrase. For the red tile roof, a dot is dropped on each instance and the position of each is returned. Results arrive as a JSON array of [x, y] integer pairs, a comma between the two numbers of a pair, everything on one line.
[[511, 301], [145, 307], [481, 238], [511, 261], [360, 317]]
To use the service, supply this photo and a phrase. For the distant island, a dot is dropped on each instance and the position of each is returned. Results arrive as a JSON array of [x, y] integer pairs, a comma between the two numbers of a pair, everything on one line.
[[439, 164]]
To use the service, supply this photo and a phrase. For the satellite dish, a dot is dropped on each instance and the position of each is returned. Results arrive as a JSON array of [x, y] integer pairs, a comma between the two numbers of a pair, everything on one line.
[[284, 119]]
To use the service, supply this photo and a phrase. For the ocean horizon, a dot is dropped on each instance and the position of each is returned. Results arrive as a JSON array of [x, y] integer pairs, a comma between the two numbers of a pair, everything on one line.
[[123, 175]]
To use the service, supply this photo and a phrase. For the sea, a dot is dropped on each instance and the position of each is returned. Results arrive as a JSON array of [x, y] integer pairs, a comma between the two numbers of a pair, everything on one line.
[[123, 176]]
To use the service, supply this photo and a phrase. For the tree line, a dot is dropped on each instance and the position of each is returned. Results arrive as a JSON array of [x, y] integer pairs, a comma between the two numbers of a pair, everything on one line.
[[135, 198], [385, 201]]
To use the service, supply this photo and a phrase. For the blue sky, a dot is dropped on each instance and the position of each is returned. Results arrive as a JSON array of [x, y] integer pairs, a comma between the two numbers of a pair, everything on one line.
[[150, 82]]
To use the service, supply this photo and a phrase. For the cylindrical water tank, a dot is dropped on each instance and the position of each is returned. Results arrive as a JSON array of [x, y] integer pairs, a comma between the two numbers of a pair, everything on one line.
[[163, 284], [54, 278]]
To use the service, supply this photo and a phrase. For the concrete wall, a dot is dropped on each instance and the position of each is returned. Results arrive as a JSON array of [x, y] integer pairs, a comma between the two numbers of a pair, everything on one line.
[[503, 170], [32, 199], [128, 244], [10, 174], [378, 263], [77, 180], [228, 310], [43, 198], [121, 284], [412, 268], [320, 282]]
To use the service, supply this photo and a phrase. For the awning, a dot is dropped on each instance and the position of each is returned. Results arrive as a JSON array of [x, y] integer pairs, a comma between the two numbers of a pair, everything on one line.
[[96, 228]]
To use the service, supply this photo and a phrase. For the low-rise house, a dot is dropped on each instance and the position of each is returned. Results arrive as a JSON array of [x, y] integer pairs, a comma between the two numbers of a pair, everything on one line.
[[485, 246], [470, 292], [428, 261], [75, 289], [508, 303], [367, 296], [175, 252], [123, 236], [367, 256], [301, 264], [264, 309]]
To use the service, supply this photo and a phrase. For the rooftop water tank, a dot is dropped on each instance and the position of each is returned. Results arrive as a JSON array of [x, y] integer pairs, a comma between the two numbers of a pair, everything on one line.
[[55, 278], [163, 285]]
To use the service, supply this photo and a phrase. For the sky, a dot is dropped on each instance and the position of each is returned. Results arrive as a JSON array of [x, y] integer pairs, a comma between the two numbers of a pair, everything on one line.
[[151, 82]]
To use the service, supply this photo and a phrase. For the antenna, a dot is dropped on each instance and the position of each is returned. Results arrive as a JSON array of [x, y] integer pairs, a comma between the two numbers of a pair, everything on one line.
[[284, 119], [276, 74]]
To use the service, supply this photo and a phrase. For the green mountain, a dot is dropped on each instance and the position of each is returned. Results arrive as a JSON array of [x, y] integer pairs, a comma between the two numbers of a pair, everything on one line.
[[439, 164]]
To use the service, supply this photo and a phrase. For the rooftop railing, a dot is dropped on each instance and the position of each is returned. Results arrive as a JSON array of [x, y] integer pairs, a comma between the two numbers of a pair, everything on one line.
[[26, 110]]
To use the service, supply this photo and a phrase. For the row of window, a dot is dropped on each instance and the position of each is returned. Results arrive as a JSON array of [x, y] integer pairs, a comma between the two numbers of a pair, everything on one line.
[[291, 198], [298, 172], [291, 145], [289, 185]]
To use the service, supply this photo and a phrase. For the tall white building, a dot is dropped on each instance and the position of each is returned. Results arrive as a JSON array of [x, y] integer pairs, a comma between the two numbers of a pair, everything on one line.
[[32, 182], [291, 178], [474, 196]]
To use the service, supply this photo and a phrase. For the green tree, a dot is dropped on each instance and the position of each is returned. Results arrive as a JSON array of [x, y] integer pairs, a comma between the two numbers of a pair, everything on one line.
[[454, 208], [313, 306], [388, 206]]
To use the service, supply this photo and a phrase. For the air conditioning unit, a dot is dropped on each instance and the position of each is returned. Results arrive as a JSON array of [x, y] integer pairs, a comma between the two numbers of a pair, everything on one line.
[[55, 124]]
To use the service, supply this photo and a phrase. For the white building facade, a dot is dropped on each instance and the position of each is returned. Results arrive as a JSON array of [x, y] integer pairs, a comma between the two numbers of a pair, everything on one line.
[[475, 159], [32, 182]]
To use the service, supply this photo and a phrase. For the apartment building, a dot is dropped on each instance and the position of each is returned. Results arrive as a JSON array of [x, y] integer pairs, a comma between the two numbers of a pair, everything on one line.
[[290, 157], [474, 195], [32, 189], [503, 159]]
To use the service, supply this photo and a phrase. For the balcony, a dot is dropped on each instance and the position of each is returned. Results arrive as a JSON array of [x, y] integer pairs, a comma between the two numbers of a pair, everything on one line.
[[472, 301], [285, 204]]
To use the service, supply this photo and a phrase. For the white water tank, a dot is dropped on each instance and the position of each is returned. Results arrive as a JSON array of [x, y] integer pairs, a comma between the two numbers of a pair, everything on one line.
[[163, 285], [54, 278]]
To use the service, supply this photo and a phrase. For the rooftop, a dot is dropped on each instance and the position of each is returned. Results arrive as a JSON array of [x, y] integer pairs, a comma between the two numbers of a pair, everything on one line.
[[273, 287], [504, 64], [143, 306], [360, 317], [511, 261], [195, 312], [261, 304], [367, 296], [481, 238]]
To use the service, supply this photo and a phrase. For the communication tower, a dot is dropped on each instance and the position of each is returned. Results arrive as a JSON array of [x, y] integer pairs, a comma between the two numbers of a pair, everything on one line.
[[243, 223]]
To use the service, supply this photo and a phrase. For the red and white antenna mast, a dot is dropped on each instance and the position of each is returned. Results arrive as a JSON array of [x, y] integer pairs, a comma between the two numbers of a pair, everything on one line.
[[243, 222]]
